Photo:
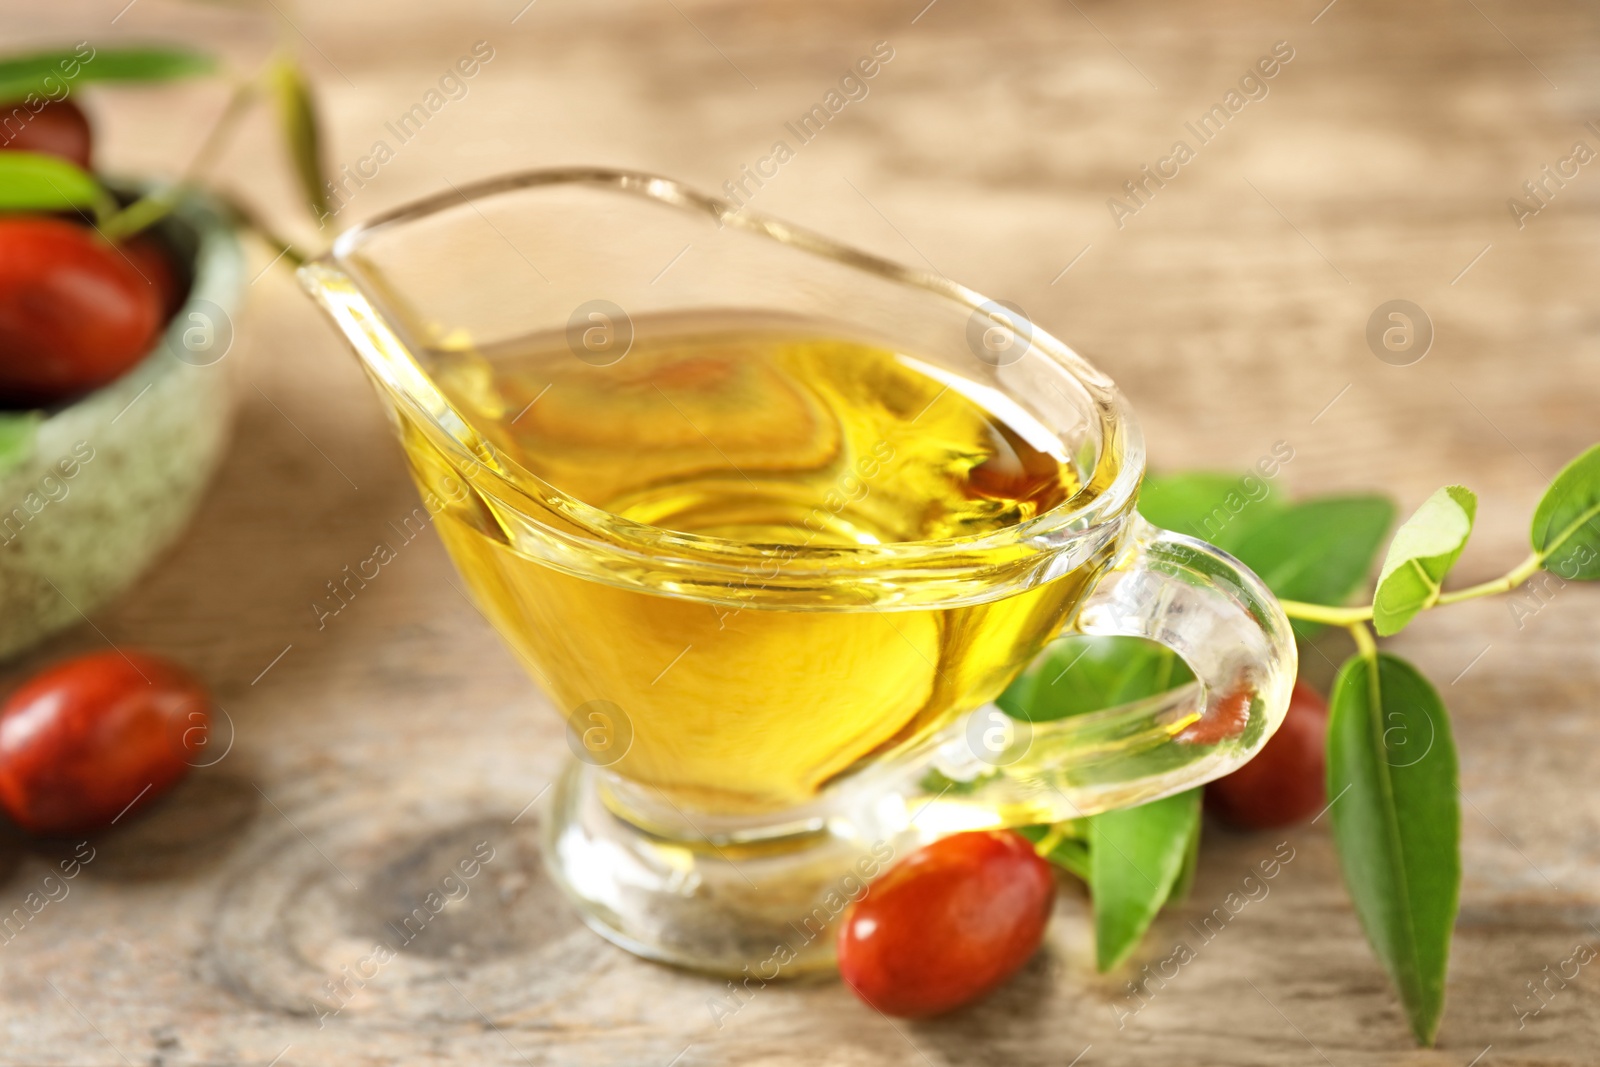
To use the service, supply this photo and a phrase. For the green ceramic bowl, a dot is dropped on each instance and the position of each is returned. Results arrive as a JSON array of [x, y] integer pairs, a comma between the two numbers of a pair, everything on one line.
[[91, 493]]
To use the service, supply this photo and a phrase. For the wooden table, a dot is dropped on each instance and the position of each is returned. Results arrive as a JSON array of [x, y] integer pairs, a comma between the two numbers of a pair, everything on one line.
[[373, 753]]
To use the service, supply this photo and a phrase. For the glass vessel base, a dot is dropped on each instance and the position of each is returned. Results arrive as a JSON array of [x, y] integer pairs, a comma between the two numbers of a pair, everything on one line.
[[754, 899]]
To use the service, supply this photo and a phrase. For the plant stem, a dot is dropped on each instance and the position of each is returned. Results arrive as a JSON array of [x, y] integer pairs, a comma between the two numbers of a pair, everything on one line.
[[205, 157], [141, 214], [1063, 847], [288, 251], [1503, 584], [153, 207], [284, 249], [105, 208], [1349, 617], [1047, 844], [1296, 609], [248, 219], [1365, 645]]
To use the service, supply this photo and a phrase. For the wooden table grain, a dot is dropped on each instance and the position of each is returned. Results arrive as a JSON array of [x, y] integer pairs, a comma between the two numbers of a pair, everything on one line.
[[375, 750]]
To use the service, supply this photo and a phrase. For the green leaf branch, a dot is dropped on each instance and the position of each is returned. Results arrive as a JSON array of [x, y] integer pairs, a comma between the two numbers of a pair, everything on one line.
[[1391, 759], [150, 209], [34, 182], [1392, 769], [1351, 616], [1565, 536]]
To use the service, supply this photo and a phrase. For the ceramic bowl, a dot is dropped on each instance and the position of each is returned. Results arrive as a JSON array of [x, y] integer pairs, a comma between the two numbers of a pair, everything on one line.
[[109, 480]]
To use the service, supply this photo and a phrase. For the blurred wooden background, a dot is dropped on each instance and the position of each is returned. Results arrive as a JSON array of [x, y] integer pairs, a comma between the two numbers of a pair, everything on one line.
[[373, 754]]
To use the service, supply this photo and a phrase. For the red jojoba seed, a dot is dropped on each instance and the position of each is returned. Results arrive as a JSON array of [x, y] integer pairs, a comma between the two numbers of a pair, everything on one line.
[[74, 311], [948, 924], [83, 740], [1284, 783], [60, 128]]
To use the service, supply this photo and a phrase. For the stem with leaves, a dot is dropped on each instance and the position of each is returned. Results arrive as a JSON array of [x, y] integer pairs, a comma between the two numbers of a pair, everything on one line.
[[1350, 617], [35, 182], [1392, 779], [282, 79], [153, 207]]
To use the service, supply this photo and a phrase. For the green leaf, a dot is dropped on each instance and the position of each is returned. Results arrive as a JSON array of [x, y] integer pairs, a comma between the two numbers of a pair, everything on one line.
[[1423, 550], [1068, 853], [17, 430], [50, 74], [1190, 869], [1566, 524], [1318, 551], [33, 181], [1397, 823], [1214, 507], [1082, 674], [297, 113], [1136, 858]]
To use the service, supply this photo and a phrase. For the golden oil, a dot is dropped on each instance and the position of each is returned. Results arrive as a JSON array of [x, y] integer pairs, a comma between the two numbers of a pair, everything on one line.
[[783, 440]]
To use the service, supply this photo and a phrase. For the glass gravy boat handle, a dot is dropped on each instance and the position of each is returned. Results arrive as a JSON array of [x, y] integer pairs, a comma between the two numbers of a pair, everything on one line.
[[1199, 602]]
